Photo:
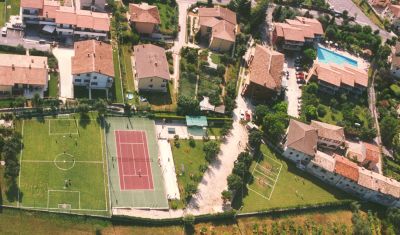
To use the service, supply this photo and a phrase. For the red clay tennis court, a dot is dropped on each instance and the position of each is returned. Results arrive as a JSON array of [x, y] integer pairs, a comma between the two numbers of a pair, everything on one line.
[[133, 160]]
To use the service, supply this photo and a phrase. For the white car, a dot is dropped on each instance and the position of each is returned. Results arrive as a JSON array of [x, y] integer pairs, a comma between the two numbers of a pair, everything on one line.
[[4, 31], [241, 115], [195, 10]]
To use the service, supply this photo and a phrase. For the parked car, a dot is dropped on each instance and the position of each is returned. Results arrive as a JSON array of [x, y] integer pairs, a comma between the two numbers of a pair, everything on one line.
[[4, 31], [241, 115]]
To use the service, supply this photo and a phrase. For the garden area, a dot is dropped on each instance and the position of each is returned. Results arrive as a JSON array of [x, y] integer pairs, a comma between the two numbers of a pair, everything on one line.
[[8, 8], [191, 158], [169, 16], [293, 187], [340, 109]]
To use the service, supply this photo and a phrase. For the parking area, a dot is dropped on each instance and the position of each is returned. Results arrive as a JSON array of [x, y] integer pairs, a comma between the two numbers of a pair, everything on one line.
[[16, 37], [293, 83]]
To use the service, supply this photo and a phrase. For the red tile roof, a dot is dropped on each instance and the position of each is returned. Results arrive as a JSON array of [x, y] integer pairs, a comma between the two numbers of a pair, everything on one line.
[[151, 61], [93, 56], [221, 20], [50, 9], [346, 168], [23, 69], [38, 4], [302, 137], [372, 153], [299, 29], [266, 67], [144, 13]]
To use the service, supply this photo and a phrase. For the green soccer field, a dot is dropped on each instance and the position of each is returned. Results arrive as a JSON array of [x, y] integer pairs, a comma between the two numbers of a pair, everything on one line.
[[63, 165]]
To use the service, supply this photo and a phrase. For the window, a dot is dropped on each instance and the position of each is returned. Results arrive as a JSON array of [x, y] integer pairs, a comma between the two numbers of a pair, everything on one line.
[[88, 75], [151, 86], [94, 83], [78, 80], [87, 80], [151, 80], [162, 85], [347, 185], [331, 178], [297, 155], [78, 75], [306, 159], [291, 153], [95, 77]]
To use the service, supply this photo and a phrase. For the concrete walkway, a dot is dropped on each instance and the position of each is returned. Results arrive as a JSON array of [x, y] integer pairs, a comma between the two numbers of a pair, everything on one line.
[[208, 198], [64, 56]]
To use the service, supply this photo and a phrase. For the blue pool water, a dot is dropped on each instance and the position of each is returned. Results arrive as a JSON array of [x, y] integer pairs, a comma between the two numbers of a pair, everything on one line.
[[327, 56]]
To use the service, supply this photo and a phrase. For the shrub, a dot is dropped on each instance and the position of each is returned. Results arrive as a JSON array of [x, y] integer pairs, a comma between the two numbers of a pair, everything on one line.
[[192, 143], [321, 110]]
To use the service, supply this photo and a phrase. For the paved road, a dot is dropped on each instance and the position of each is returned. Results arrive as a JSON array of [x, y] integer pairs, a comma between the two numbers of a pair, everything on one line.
[[361, 18], [15, 38], [293, 91], [208, 198], [63, 56]]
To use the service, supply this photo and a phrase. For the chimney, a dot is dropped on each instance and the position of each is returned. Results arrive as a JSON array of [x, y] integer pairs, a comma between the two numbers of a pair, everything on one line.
[[88, 54], [32, 61], [30, 66], [155, 63], [13, 67]]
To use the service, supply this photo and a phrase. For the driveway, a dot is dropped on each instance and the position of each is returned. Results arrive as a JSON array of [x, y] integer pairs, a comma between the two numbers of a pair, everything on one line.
[[293, 91], [64, 56], [16, 37], [208, 198], [361, 18]]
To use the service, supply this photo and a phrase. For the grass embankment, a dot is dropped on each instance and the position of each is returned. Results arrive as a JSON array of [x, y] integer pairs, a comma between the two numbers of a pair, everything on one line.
[[294, 187], [369, 12], [333, 222]]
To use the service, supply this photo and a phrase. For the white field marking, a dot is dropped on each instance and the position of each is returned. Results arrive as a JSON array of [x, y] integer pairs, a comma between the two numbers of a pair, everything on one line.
[[56, 208], [20, 164], [137, 175], [265, 182], [257, 193], [268, 170], [277, 177], [118, 156], [63, 191], [261, 173], [66, 133], [104, 176], [46, 161]]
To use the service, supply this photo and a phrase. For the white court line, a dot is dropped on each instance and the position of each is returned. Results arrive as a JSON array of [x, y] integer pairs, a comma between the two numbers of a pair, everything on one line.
[[148, 156], [56, 208], [122, 167], [270, 171], [261, 179], [128, 143], [64, 133], [137, 175], [277, 177], [133, 159], [257, 193]]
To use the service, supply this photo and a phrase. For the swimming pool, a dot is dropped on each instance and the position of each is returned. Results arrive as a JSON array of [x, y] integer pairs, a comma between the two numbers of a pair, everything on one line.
[[327, 56]]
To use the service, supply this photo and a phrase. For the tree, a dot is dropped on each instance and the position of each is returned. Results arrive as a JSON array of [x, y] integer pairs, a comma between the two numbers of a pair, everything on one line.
[[259, 113], [310, 54], [274, 125], [257, 16], [211, 149], [246, 158], [83, 109], [240, 169], [101, 107], [241, 7], [36, 100], [389, 127], [310, 112], [226, 196], [226, 128], [190, 189], [255, 138], [188, 106], [235, 182]]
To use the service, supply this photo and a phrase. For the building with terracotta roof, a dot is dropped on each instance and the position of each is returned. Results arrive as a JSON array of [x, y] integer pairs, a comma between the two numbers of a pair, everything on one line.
[[92, 65], [151, 68], [219, 25], [365, 154], [301, 142], [23, 75], [379, 188], [65, 20], [395, 66], [144, 17], [329, 136], [332, 78], [293, 34], [265, 73]]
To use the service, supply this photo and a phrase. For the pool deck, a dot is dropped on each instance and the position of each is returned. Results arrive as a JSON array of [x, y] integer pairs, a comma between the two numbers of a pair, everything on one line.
[[361, 63]]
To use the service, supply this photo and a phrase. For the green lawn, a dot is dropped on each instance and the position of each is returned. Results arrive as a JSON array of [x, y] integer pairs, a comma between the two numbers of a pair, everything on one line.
[[5, 13], [53, 85], [2, 14], [118, 96], [215, 58], [169, 18], [294, 187], [161, 101], [126, 66], [187, 161], [56, 151]]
